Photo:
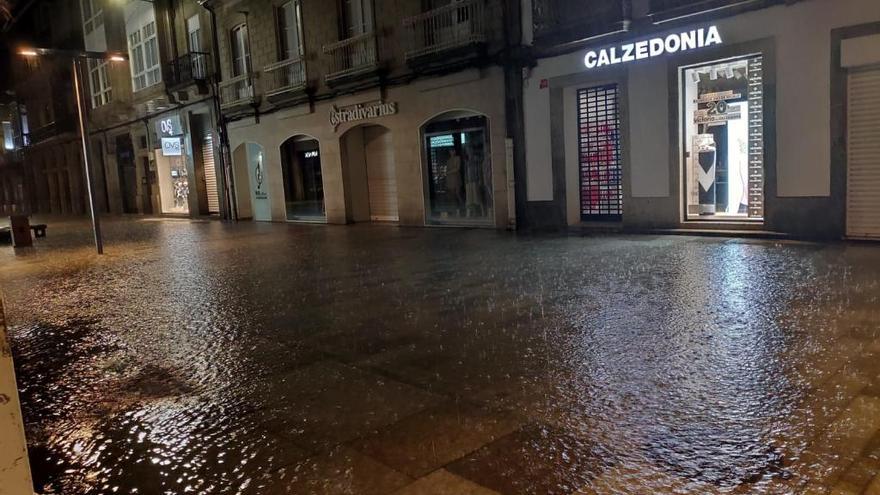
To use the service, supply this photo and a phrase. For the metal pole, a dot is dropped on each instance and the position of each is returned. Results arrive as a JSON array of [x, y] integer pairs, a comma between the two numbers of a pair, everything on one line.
[[78, 78]]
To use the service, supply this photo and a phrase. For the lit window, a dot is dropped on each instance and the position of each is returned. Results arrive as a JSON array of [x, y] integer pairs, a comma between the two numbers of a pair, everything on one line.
[[8, 143]]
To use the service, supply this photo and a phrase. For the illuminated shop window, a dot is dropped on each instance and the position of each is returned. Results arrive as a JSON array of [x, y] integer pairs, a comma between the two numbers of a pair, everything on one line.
[[723, 139], [459, 170]]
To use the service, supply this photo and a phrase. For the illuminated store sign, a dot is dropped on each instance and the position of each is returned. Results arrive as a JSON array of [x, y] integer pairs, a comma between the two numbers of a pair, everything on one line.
[[172, 146], [654, 47]]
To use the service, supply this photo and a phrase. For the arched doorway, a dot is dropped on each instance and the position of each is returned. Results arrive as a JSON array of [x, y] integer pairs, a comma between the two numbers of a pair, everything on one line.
[[368, 163], [252, 185], [458, 178], [303, 180]]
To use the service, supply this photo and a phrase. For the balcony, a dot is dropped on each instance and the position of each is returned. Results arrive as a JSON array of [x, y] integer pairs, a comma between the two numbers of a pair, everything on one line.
[[352, 57], [238, 92], [562, 21], [669, 10], [461, 24], [284, 79], [188, 69]]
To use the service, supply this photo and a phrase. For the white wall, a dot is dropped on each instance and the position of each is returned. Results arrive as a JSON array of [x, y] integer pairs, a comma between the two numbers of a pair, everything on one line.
[[802, 35], [15, 473]]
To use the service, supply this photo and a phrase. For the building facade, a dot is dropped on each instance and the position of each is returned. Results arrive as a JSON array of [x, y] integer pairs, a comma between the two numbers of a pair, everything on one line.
[[725, 115], [48, 175], [368, 110], [153, 119]]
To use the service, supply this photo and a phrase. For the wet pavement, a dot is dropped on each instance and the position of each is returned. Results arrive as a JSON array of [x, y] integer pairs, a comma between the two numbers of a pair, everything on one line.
[[201, 357]]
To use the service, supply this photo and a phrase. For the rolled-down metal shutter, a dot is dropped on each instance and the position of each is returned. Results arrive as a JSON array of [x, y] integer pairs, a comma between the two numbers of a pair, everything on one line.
[[381, 180], [210, 173], [863, 155]]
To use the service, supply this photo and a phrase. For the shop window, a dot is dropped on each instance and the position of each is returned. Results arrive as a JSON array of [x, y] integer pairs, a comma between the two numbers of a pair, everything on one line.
[[459, 170], [599, 168], [303, 183], [723, 141]]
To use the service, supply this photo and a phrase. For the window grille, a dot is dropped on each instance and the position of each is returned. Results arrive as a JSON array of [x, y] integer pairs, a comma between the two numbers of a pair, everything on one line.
[[599, 153]]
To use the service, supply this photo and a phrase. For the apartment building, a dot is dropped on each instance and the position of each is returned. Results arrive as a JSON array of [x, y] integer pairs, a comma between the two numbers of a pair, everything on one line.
[[731, 115], [369, 110], [13, 198], [46, 174], [152, 119]]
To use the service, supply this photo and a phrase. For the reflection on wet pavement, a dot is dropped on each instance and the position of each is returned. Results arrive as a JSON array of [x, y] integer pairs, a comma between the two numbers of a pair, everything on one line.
[[200, 357]]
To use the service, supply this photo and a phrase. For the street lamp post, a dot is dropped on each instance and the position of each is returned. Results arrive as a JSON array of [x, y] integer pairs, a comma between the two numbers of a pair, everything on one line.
[[79, 76]]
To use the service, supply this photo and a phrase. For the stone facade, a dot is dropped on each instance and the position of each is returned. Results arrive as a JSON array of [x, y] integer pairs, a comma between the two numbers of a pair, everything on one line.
[[469, 83]]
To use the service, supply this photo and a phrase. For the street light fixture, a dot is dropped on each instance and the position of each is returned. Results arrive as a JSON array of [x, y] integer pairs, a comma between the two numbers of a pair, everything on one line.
[[77, 57]]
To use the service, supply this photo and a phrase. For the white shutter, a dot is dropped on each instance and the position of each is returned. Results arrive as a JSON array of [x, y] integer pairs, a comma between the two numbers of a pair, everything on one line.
[[381, 180], [863, 155], [210, 173]]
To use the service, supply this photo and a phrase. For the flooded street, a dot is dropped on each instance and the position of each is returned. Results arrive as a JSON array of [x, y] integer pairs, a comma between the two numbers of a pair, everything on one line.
[[201, 357]]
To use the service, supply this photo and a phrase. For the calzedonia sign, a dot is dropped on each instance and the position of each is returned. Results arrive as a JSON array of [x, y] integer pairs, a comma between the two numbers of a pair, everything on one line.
[[654, 47]]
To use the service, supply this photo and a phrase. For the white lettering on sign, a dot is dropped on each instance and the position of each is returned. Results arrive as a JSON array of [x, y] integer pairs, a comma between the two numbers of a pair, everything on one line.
[[654, 47], [171, 146], [361, 112], [310, 154]]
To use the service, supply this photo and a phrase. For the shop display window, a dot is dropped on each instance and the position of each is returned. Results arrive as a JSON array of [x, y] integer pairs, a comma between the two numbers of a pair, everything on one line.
[[173, 184], [459, 171], [723, 139]]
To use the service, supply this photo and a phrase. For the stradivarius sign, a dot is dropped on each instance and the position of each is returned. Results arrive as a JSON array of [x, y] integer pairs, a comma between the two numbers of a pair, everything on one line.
[[654, 47]]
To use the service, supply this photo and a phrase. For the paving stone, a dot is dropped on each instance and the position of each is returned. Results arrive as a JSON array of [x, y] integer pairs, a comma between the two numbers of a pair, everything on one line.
[[442, 482], [340, 471], [325, 404], [434, 437], [534, 460]]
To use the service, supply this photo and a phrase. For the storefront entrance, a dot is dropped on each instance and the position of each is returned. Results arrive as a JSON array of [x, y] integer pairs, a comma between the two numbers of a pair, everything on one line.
[[127, 173], [459, 169], [863, 154], [303, 182]]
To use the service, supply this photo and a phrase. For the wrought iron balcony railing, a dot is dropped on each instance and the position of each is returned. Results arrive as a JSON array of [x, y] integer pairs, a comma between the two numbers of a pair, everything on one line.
[[460, 23], [286, 75], [190, 68], [239, 90], [352, 56]]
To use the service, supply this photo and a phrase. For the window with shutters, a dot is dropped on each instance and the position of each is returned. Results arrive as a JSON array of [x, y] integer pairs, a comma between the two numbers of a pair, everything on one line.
[[241, 50], [290, 45]]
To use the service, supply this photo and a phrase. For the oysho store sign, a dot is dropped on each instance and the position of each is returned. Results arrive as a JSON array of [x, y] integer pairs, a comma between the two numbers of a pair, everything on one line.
[[654, 47]]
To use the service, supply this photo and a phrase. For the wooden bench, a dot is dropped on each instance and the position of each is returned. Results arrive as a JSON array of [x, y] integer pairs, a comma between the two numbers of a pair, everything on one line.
[[39, 229]]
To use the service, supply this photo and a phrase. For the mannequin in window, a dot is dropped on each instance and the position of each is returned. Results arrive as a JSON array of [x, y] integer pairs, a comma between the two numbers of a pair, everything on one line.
[[453, 179]]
